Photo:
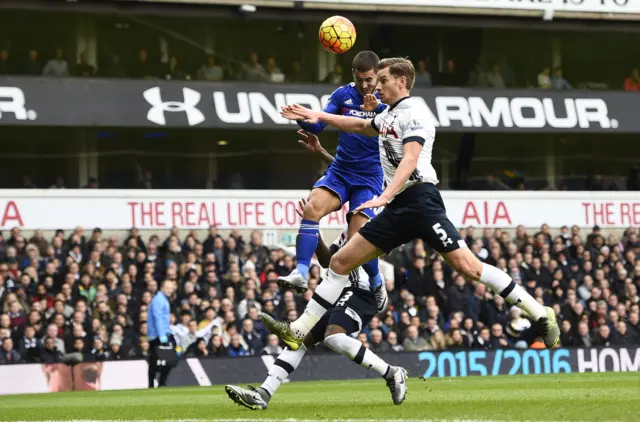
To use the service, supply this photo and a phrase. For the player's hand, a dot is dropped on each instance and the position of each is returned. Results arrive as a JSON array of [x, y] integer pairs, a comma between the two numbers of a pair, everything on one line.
[[310, 141], [378, 202], [301, 204], [303, 113], [370, 103], [287, 113]]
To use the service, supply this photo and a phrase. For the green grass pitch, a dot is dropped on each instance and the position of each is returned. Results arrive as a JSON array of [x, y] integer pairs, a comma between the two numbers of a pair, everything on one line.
[[575, 397]]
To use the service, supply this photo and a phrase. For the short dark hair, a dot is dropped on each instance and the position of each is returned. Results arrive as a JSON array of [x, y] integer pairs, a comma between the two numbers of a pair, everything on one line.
[[399, 66], [365, 61]]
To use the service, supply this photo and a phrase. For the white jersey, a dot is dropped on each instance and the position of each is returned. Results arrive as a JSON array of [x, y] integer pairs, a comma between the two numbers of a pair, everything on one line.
[[358, 277], [407, 120]]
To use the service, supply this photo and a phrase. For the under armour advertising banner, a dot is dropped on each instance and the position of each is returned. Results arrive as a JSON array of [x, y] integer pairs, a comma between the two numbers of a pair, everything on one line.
[[191, 104]]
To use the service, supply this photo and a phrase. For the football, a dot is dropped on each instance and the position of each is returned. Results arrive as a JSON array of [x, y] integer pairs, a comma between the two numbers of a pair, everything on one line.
[[337, 34]]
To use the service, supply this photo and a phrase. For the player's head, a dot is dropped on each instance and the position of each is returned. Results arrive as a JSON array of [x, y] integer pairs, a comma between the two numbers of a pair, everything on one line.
[[395, 79], [364, 71]]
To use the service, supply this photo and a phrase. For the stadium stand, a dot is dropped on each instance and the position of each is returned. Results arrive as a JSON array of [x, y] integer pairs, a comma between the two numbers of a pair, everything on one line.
[[85, 297]]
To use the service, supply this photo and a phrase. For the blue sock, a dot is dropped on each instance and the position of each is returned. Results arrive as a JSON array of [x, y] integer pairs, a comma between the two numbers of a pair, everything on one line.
[[372, 270], [306, 245]]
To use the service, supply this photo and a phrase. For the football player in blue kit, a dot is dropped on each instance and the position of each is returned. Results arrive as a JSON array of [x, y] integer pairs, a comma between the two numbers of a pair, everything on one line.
[[355, 176]]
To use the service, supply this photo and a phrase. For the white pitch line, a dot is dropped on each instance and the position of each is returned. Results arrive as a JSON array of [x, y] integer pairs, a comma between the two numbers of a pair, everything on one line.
[[281, 420]]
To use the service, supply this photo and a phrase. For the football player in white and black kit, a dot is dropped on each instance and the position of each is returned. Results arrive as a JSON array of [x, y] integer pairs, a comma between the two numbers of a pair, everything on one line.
[[413, 206], [338, 328]]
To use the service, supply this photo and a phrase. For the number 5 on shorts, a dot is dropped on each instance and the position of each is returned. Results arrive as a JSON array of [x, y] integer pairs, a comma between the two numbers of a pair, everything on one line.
[[442, 234]]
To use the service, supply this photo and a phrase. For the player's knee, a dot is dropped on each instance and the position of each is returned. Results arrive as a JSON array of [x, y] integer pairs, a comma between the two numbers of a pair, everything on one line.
[[336, 343], [313, 211], [339, 264], [467, 265]]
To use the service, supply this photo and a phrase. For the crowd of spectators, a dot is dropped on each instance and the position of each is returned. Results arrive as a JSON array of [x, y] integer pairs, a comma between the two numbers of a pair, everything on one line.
[[86, 296], [499, 74]]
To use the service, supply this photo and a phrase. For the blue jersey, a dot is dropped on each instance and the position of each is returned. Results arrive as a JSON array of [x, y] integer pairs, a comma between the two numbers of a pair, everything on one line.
[[357, 154]]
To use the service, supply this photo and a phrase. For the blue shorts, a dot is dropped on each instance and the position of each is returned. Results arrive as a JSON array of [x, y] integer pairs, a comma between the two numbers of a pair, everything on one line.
[[354, 189]]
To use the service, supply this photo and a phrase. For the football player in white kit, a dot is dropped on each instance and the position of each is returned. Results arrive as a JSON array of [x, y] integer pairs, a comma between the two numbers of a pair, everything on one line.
[[413, 206]]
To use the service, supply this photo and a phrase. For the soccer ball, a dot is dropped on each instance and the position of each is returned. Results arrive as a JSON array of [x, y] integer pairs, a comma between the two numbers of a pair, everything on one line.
[[337, 34]]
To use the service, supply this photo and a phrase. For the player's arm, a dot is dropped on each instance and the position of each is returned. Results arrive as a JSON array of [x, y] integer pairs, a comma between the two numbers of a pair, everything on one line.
[[312, 143], [332, 107], [343, 123], [411, 152]]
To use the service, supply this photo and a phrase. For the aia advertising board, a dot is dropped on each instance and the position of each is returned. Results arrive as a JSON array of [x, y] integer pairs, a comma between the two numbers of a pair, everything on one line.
[[229, 209]]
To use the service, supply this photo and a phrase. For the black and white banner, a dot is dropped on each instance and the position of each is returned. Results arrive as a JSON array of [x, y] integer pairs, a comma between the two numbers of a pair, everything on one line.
[[120, 375], [142, 103]]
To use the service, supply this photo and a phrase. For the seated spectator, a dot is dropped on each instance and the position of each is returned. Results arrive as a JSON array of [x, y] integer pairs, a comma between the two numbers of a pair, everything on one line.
[[544, 78], [455, 340], [143, 68], [32, 66], [174, 71], [5, 65], [392, 339], [114, 69], [253, 71], [216, 347], [478, 77], [335, 76], [210, 71], [450, 76], [423, 77], [558, 81], [30, 345], [99, 352], [200, 349], [275, 74], [377, 344], [57, 66], [83, 68], [632, 82], [494, 78], [49, 353], [414, 343], [8, 355], [273, 347], [483, 340], [236, 348], [297, 75]]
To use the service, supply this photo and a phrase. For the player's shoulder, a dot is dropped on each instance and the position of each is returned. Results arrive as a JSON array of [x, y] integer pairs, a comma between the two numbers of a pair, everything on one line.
[[412, 104], [344, 90]]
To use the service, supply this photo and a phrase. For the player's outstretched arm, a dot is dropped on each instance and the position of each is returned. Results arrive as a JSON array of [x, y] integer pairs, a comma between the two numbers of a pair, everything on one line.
[[332, 107], [343, 123]]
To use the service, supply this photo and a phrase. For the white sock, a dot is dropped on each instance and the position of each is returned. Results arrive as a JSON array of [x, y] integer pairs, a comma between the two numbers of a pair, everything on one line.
[[354, 350], [285, 364], [323, 299], [513, 293]]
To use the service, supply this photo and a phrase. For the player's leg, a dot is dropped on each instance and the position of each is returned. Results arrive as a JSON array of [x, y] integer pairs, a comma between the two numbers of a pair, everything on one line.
[[467, 264], [285, 364], [327, 195], [378, 236], [441, 235], [356, 252], [358, 196], [344, 323]]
